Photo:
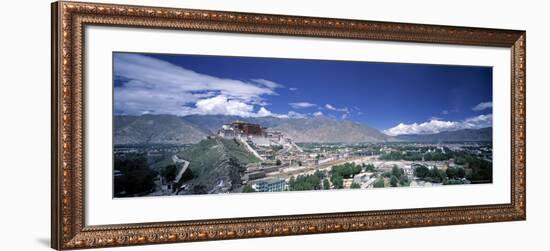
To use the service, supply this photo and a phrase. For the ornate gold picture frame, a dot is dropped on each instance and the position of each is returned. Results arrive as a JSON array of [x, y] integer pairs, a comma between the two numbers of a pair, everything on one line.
[[69, 230]]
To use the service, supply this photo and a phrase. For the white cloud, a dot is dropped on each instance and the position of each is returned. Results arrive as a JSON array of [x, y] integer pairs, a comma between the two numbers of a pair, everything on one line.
[[263, 112], [156, 86], [445, 112], [482, 106], [478, 122], [344, 116], [295, 115], [222, 105], [436, 126], [301, 105], [267, 83], [293, 89], [330, 107], [318, 113]]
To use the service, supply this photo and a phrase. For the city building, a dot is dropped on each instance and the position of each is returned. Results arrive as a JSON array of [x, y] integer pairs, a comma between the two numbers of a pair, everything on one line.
[[239, 128], [255, 134], [272, 185], [409, 170]]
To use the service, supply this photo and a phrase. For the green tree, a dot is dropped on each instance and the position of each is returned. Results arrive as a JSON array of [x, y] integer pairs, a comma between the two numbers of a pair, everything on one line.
[[337, 181], [346, 170], [370, 168], [396, 171], [482, 171], [460, 173], [278, 162], [306, 182], [135, 175], [453, 182], [355, 186], [291, 182], [404, 180], [319, 174], [452, 173], [248, 189], [436, 175], [236, 163], [169, 173], [379, 183], [326, 184], [394, 181], [421, 171]]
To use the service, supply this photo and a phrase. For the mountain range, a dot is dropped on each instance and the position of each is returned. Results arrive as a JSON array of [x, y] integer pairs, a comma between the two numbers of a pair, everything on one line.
[[482, 134], [171, 129], [156, 129]]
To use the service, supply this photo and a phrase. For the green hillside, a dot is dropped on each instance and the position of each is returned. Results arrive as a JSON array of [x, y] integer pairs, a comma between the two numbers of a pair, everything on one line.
[[207, 154], [214, 161]]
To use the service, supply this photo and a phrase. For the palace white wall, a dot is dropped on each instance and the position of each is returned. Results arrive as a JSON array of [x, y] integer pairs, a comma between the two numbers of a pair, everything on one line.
[[25, 128]]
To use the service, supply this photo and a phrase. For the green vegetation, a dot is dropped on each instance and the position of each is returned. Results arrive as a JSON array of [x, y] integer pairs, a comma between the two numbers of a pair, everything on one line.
[[393, 181], [455, 173], [421, 171], [404, 181], [437, 155], [480, 170], [278, 162], [397, 177], [169, 173], [326, 184], [355, 186], [248, 189], [472, 168], [430, 175], [379, 183], [214, 159], [453, 182], [209, 154], [369, 167], [386, 174], [339, 172], [451, 172], [346, 170], [461, 173], [397, 172], [337, 181], [135, 176], [306, 182], [436, 175]]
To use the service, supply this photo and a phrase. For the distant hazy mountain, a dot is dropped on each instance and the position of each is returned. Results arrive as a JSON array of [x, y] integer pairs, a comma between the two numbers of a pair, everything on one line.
[[483, 134], [156, 129], [171, 129], [322, 129]]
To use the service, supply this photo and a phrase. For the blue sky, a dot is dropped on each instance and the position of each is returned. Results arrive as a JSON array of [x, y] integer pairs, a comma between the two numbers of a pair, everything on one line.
[[395, 98]]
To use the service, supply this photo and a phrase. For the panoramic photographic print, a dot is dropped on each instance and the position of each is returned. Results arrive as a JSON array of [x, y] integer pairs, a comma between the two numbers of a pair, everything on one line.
[[195, 124]]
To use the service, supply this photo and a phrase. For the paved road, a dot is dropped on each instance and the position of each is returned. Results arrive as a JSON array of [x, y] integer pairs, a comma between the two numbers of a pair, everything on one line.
[[185, 164]]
